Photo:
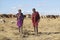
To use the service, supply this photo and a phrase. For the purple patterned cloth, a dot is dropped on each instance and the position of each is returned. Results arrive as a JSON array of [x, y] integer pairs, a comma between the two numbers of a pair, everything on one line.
[[20, 20]]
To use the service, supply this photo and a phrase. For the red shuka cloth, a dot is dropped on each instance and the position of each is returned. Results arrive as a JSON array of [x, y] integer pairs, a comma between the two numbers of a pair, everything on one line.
[[35, 19]]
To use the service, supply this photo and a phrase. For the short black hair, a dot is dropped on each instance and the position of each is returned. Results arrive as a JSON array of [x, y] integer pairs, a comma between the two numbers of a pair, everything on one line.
[[33, 9], [19, 10]]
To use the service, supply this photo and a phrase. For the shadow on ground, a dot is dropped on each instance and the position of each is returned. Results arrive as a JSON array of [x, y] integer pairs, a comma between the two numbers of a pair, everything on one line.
[[28, 33]]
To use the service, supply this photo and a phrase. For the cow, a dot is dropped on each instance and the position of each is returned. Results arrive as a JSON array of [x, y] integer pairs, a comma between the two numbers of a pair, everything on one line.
[[43, 16], [28, 15], [24, 16], [14, 16], [51, 16], [12, 22], [4, 15], [2, 21]]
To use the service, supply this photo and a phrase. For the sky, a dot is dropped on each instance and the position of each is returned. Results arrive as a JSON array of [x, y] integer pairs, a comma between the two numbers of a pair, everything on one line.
[[44, 7]]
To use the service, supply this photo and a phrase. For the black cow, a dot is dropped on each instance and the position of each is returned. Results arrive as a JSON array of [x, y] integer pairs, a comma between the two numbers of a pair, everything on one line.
[[51, 16]]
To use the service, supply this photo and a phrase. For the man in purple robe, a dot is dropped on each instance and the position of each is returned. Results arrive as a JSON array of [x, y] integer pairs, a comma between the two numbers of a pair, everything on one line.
[[20, 19]]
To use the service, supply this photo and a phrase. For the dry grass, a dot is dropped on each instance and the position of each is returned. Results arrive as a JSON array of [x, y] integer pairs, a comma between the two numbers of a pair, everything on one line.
[[49, 29]]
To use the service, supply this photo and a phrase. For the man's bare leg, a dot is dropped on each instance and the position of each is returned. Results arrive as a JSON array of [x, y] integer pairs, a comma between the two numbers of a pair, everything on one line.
[[36, 30], [19, 29]]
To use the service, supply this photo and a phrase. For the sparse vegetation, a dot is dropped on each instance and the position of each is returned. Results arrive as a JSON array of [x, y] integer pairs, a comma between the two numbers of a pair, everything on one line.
[[49, 29]]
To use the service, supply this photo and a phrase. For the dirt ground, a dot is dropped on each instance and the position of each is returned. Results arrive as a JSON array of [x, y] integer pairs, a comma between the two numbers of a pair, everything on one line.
[[49, 29]]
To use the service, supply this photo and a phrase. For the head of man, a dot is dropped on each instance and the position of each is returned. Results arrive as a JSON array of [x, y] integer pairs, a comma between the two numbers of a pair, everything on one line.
[[34, 10], [19, 10]]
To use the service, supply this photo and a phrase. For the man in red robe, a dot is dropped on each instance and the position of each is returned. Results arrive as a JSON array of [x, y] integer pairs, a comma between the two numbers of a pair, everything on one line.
[[35, 20]]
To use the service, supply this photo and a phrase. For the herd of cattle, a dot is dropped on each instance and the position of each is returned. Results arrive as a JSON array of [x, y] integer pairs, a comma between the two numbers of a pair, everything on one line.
[[50, 16], [27, 15]]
